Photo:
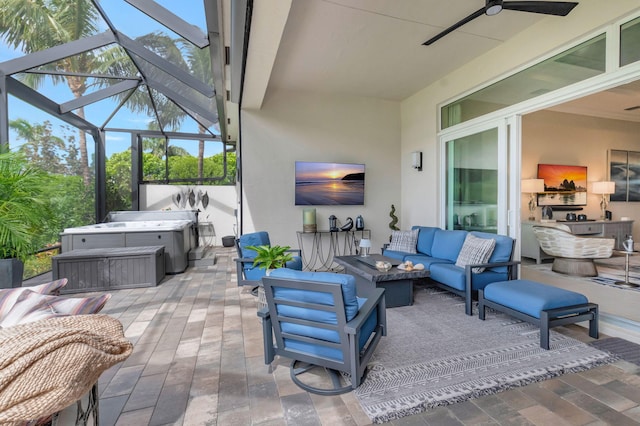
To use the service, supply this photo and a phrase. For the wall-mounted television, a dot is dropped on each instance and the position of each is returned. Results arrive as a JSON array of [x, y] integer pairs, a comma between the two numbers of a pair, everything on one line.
[[329, 184], [563, 185]]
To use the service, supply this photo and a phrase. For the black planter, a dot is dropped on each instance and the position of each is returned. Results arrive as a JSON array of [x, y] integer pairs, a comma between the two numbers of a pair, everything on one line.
[[11, 273]]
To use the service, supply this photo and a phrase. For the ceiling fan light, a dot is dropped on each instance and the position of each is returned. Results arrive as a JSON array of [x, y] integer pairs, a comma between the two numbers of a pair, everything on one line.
[[493, 7]]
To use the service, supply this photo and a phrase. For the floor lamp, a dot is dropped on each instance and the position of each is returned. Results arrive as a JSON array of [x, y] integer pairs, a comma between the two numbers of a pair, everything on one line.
[[532, 187], [605, 188]]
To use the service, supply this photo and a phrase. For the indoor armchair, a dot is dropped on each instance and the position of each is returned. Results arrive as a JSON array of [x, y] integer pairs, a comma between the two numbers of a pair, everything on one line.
[[573, 254]]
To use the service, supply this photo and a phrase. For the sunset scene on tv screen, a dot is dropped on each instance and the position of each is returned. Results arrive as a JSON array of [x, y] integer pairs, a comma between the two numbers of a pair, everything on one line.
[[329, 183]]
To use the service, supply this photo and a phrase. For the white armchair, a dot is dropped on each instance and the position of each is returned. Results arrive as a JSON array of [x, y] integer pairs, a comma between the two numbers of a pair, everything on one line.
[[573, 254]]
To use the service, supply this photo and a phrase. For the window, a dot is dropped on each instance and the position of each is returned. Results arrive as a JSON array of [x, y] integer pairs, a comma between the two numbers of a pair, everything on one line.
[[576, 64]]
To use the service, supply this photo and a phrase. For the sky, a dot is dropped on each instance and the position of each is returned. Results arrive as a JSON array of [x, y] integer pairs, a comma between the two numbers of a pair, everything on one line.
[[312, 171], [133, 23]]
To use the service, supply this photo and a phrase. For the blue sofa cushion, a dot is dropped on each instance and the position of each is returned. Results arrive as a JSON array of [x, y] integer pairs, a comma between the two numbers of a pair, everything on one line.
[[531, 297], [502, 251], [425, 239], [400, 255], [454, 276], [447, 244], [347, 282], [427, 261]]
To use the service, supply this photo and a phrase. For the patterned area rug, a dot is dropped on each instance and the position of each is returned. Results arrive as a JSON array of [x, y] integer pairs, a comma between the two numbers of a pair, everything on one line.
[[435, 355]]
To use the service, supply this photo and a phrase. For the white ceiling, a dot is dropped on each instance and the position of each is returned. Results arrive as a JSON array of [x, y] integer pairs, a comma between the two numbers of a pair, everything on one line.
[[373, 48]]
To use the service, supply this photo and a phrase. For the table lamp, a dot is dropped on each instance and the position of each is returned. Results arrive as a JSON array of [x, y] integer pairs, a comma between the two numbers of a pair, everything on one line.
[[533, 187], [365, 245], [605, 188]]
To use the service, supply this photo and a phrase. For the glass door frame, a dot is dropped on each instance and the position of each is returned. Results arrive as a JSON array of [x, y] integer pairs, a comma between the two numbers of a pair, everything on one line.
[[509, 162]]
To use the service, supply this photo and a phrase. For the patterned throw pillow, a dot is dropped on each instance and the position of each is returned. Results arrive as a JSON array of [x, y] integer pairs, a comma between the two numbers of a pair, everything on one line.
[[9, 296], [475, 251], [404, 241], [31, 306]]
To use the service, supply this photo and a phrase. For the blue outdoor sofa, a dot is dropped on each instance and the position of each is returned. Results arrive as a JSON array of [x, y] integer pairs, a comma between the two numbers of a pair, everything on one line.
[[438, 251]]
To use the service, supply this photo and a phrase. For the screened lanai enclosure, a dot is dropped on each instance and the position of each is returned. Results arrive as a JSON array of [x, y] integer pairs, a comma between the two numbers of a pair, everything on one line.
[[118, 105]]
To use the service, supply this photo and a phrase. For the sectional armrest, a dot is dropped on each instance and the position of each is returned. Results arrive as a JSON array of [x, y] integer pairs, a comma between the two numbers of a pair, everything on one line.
[[510, 264]]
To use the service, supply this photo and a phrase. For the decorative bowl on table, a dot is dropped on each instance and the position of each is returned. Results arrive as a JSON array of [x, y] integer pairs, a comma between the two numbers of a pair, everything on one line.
[[383, 266]]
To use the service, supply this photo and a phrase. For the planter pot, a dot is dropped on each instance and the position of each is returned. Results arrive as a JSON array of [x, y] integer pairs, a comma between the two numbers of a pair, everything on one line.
[[11, 273]]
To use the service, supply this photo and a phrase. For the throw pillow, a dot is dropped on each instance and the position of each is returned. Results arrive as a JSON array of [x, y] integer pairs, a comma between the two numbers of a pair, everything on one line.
[[9, 296], [31, 306], [475, 251], [404, 241]]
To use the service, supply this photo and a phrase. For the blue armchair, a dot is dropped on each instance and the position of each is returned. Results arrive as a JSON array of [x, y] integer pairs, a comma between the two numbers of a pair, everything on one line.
[[249, 274], [318, 322]]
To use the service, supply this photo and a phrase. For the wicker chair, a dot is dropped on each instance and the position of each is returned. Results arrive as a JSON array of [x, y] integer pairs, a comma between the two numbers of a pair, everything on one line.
[[573, 254]]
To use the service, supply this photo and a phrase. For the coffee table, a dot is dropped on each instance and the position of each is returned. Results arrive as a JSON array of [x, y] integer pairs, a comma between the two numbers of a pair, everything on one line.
[[397, 284]]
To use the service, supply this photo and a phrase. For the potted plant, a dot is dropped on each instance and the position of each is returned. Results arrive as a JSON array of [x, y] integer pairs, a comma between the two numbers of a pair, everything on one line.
[[24, 209], [271, 257]]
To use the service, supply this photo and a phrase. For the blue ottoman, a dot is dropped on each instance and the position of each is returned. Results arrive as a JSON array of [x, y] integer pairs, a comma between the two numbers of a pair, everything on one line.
[[539, 304]]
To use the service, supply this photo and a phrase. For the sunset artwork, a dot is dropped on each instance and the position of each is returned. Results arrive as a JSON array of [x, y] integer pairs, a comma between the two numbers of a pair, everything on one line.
[[563, 185], [329, 183]]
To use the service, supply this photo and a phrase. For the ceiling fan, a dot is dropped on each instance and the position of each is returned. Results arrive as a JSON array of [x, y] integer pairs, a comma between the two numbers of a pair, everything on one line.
[[493, 7]]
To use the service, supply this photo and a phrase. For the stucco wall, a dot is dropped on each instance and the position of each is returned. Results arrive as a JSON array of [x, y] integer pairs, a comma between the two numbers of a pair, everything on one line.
[[309, 127], [216, 221]]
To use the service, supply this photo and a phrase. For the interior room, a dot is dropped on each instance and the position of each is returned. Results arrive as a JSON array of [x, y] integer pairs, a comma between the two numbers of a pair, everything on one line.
[[435, 122]]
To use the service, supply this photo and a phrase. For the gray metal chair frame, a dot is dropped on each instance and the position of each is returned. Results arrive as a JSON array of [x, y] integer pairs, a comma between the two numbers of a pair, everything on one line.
[[354, 361]]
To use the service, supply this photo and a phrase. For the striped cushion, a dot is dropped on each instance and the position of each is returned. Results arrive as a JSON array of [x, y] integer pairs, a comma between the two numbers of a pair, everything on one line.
[[9, 296], [404, 241], [475, 251], [31, 306]]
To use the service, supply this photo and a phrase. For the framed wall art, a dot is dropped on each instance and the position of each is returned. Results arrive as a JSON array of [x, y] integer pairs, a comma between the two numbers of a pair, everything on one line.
[[624, 170]]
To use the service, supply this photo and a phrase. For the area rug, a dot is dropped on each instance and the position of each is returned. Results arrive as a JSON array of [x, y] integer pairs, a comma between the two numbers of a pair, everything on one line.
[[610, 271], [435, 355]]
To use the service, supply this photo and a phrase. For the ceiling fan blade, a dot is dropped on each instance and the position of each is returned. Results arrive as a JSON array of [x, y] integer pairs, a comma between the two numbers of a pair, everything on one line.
[[455, 26], [558, 8]]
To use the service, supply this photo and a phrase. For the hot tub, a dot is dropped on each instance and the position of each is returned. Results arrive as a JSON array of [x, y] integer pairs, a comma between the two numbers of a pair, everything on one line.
[[177, 236]]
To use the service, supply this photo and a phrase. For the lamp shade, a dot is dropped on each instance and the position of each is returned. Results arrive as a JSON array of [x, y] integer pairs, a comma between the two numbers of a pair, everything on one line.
[[605, 187], [365, 242], [532, 186]]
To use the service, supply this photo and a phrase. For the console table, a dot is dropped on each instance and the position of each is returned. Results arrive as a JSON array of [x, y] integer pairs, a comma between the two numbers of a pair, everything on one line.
[[617, 229], [319, 248]]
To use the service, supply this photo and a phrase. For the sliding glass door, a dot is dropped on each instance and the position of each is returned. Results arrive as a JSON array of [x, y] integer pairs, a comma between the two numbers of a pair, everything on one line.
[[475, 196]]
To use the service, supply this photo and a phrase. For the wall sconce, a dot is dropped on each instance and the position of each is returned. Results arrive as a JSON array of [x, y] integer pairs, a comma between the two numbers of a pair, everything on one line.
[[605, 188], [416, 160], [365, 245], [532, 187]]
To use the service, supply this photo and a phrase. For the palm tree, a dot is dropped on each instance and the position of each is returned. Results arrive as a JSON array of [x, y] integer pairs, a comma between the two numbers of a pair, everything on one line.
[[180, 52], [32, 26]]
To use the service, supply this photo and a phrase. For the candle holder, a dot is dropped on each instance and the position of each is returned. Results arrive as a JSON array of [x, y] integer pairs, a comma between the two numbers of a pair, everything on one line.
[[309, 220]]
